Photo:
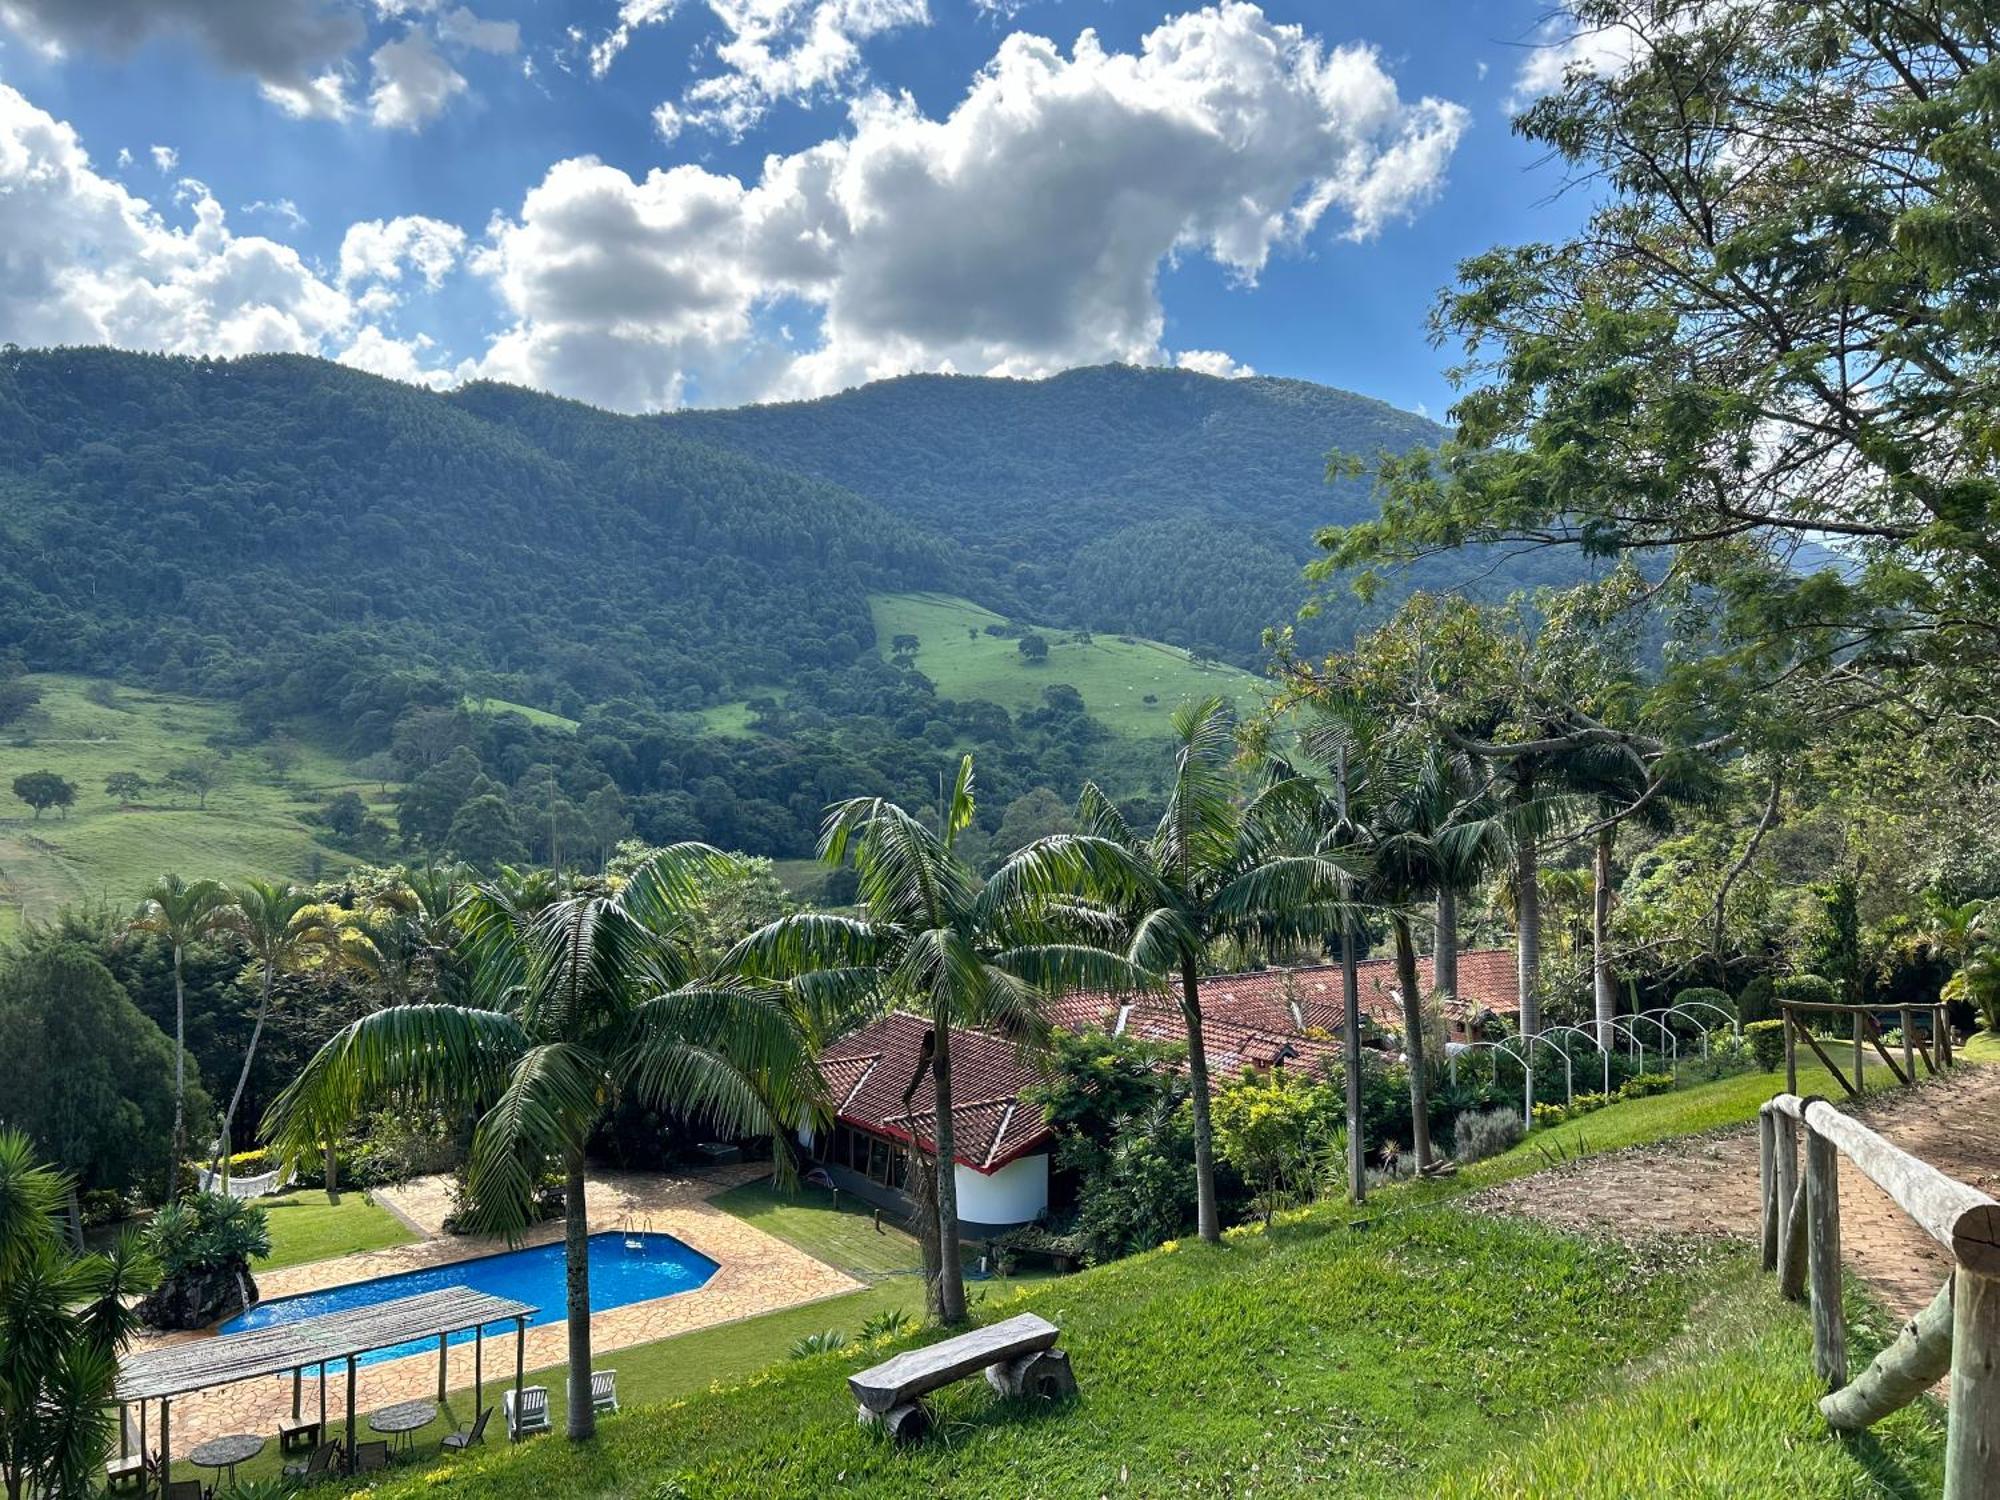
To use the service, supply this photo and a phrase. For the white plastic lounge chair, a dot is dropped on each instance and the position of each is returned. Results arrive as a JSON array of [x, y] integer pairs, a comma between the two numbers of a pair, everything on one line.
[[603, 1391], [530, 1415]]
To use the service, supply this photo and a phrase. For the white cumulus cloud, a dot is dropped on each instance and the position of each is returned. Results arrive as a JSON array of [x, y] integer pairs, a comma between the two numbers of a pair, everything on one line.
[[1212, 362], [378, 249], [1020, 234], [461, 28], [166, 158], [411, 83]]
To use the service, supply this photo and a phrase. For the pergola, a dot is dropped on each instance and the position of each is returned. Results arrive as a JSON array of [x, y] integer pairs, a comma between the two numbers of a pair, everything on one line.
[[202, 1364]]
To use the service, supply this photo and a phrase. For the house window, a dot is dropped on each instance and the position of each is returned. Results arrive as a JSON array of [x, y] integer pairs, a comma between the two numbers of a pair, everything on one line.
[[878, 1159]]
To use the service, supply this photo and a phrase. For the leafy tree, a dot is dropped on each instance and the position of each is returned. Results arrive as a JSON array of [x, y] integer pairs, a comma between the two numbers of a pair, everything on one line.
[[1272, 1128], [484, 832], [932, 938], [43, 790], [345, 815], [281, 925], [126, 787], [1778, 326], [1033, 815], [199, 776], [580, 1000], [1034, 648], [905, 645], [1212, 868], [83, 1071], [18, 697], [64, 1320], [180, 913]]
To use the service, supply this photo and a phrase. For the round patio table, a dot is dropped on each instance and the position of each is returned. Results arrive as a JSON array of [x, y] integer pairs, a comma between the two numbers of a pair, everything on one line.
[[227, 1452], [402, 1419]]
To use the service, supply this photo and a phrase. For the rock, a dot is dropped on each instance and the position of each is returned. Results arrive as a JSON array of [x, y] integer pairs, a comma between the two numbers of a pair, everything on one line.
[[199, 1298]]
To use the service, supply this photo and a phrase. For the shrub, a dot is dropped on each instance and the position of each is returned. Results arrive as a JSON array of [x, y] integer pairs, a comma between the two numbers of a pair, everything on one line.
[[823, 1342], [207, 1232], [1547, 1115], [1806, 989], [1640, 1085], [1486, 1133], [1754, 1004], [1583, 1104], [887, 1324], [1703, 995], [1767, 1043]]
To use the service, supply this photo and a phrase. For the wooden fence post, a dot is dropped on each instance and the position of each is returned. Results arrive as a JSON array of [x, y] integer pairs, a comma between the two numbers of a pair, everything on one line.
[[1791, 1215], [1767, 1185], [1972, 1448], [1791, 1051], [1823, 1258]]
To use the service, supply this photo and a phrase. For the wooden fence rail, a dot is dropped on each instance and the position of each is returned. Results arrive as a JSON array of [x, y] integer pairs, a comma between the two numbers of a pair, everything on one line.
[[1958, 1332], [1930, 1044]]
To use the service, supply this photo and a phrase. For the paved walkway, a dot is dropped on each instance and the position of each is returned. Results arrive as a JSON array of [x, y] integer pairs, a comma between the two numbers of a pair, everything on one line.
[[757, 1274], [1708, 1184]]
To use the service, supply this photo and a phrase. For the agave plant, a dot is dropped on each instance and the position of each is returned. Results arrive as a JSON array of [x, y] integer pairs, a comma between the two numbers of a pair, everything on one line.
[[823, 1342]]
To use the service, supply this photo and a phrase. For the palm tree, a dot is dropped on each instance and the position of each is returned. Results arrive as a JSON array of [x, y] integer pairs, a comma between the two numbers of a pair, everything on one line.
[[1215, 867], [63, 1320], [935, 939], [1421, 818], [577, 1000], [281, 925], [181, 912]]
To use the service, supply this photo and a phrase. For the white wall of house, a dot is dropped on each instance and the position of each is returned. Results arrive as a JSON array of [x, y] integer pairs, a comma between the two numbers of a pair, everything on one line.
[[1015, 1194]]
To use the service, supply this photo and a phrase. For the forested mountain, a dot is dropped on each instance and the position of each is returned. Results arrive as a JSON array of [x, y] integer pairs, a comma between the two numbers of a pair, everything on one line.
[[310, 543], [1160, 502]]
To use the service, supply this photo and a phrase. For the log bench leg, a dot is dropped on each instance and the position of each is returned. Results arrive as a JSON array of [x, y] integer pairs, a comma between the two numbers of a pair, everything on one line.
[[905, 1424], [1045, 1373]]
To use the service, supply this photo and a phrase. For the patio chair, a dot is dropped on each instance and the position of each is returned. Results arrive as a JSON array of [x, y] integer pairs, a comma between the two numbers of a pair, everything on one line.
[[182, 1489], [465, 1437], [603, 1391], [317, 1467], [371, 1456], [530, 1415]]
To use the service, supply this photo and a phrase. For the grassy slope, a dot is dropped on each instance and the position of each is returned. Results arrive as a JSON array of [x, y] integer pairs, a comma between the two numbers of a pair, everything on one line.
[[1395, 1360], [539, 716], [1113, 676], [846, 1238], [102, 851], [307, 1225], [1984, 1047]]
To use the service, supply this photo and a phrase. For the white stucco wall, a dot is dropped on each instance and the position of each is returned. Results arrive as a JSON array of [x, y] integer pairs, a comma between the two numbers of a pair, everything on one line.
[[1013, 1195]]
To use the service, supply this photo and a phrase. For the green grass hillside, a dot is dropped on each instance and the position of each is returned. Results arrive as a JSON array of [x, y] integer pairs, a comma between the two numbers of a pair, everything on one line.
[[1115, 674], [85, 731], [539, 716]]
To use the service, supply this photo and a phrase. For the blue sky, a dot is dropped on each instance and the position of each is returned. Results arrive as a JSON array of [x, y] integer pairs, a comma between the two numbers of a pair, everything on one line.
[[648, 202]]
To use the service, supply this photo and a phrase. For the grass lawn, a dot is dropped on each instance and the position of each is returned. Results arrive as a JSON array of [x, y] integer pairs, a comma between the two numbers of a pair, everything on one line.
[[105, 851], [1984, 1047], [308, 1225], [539, 716], [847, 1238], [1115, 675]]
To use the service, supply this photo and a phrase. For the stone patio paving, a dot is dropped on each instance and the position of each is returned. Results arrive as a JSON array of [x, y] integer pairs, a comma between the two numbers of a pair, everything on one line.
[[758, 1274]]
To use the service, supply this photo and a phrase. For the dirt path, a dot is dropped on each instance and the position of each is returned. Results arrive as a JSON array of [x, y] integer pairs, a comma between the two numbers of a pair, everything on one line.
[[1708, 1184]]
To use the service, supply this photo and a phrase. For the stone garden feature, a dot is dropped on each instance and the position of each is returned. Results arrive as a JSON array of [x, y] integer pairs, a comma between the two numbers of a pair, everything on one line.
[[1018, 1355]]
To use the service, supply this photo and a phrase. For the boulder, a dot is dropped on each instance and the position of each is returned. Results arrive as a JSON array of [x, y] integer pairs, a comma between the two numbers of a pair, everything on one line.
[[199, 1298]]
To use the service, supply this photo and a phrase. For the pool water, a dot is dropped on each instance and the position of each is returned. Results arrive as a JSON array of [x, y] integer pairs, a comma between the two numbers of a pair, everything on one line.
[[624, 1268]]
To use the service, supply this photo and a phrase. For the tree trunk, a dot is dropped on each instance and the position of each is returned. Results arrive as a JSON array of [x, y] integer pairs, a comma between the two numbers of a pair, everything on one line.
[[1208, 1221], [576, 1268], [1444, 963], [1527, 910], [180, 1081], [332, 1169], [1604, 988], [923, 1195], [1350, 1048], [951, 1268], [1413, 1039], [216, 1167]]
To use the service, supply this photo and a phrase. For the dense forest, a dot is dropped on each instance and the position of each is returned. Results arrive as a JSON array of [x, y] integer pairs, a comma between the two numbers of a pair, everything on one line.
[[319, 546]]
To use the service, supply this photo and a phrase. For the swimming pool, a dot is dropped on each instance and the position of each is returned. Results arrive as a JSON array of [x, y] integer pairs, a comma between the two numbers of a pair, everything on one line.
[[624, 1268]]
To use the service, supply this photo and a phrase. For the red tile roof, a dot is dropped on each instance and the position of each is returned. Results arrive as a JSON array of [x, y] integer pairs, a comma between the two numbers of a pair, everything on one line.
[[1257, 1019], [867, 1071]]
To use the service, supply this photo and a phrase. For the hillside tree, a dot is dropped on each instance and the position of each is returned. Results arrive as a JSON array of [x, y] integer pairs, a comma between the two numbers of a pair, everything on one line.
[[43, 790]]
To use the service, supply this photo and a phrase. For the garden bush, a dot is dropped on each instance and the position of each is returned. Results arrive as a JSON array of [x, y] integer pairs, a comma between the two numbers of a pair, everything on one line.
[[1583, 1104], [1703, 995], [1641, 1085], [1547, 1115], [1806, 989], [1767, 1043], [1754, 1004], [1486, 1133]]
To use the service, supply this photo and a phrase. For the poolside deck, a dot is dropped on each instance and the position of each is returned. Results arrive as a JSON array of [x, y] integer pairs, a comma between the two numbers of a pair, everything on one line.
[[757, 1274]]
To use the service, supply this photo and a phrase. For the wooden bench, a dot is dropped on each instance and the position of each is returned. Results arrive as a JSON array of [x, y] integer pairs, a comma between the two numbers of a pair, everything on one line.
[[1019, 1357]]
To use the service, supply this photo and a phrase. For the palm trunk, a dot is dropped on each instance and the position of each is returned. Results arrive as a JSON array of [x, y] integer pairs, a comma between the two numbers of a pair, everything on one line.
[[1444, 963], [951, 1270], [1208, 1221], [576, 1268], [1602, 985], [924, 1220], [216, 1167], [1413, 1040], [180, 1081], [1527, 911], [332, 1169], [1350, 1047]]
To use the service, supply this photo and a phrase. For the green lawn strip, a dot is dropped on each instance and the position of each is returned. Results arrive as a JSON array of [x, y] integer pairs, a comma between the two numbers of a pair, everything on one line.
[[1984, 1047], [308, 1225], [1729, 1409], [1315, 1354], [848, 1238]]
